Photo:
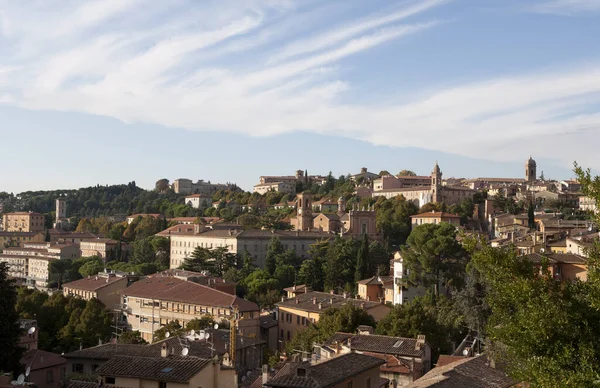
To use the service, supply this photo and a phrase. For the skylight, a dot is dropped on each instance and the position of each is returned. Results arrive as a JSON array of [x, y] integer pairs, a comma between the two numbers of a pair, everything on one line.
[[166, 370], [397, 344]]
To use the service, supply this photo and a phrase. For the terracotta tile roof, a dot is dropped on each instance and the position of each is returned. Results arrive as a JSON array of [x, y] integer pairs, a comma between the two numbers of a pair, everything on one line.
[[565, 258], [394, 364], [94, 283], [327, 373], [100, 240], [305, 302], [40, 359], [88, 384], [379, 344], [331, 216], [19, 234], [177, 229], [176, 290], [435, 215], [106, 351], [446, 359], [468, 372], [177, 369], [299, 288], [381, 280]]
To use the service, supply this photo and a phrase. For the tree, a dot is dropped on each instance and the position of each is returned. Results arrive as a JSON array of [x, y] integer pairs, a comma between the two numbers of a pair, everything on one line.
[[94, 323], [531, 216], [143, 251], [262, 288], [173, 327], [435, 257], [393, 219], [200, 323], [340, 263], [132, 337], [362, 260], [199, 261], [407, 173], [379, 258], [384, 173], [10, 330], [91, 267], [275, 248]]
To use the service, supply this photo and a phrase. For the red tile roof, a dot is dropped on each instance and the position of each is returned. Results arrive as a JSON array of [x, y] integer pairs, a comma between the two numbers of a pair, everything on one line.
[[40, 359], [435, 215], [177, 290], [94, 283]]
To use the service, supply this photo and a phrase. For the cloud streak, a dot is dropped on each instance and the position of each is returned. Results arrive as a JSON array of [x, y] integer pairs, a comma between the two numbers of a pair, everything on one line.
[[253, 69]]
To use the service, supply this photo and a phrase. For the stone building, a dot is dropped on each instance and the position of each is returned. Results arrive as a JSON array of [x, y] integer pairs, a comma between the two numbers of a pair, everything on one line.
[[186, 186], [23, 222]]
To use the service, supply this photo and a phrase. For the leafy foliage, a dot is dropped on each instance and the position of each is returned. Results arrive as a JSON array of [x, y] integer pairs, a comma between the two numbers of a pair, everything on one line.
[[10, 331]]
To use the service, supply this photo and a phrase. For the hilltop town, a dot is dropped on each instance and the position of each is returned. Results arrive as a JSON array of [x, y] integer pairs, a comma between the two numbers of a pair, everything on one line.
[[364, 280]]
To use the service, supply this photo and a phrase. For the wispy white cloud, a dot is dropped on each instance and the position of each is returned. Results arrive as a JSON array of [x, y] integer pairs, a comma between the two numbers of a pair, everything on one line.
[[567, 7], [213, 68]]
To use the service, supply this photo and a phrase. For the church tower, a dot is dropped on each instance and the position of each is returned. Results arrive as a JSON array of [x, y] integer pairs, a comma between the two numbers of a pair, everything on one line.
[[436, 184], [304, 216], [530, 170]]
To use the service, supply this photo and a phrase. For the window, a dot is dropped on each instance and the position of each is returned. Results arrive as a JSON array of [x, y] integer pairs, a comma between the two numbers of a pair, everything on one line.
[[109, 380], [303, 321], [297, 319], [49, 377], [77, 368], [289, 335], [281, 334], [162, 384], [368, 382], [350, 384], [94, 367]]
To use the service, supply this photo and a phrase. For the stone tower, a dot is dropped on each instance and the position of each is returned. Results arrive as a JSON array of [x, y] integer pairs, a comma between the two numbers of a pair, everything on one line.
[[304, 216], [61, 209], [436, 184], [341, 205], [530, 170]]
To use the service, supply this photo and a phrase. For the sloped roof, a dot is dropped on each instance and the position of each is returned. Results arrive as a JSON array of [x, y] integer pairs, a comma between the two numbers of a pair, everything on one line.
[[177, 290], [94, 283], [40, 359], [305, 302], [327, 373], [468, 372], [379, 344], [435, 215], [177, 369], [565, 258]]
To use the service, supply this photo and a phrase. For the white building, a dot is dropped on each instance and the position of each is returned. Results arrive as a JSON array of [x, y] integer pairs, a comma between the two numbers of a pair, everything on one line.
[[198, 201], [403, 293]]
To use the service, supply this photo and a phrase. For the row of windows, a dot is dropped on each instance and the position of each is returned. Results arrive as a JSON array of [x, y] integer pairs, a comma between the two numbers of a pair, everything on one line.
[[186, 308], [287, 317]]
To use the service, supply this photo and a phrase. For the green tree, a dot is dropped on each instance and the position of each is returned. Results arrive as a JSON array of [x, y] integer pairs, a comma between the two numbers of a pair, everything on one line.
[[199, 261], [91, 267], [340, 263], [202, 323], [275, 248], [435, 257], [132, 337], [143, 251], [94, 323], [10, 330], [379, 258], [531, 216], [393, 219], [173, 328], [262, 288], [407, 173], [362, 260]]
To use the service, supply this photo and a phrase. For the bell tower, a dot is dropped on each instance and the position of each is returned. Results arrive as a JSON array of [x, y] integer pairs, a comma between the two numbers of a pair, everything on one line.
[[304, 216], [530, 170], [436, 184]]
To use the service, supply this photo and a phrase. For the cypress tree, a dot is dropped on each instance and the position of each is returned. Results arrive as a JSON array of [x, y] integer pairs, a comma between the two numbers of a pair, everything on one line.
[[10, 330]]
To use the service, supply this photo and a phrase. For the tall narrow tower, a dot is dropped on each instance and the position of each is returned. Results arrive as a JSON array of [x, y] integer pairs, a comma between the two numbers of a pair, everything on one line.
[[530, 170], [61, 209], [304, 216], [436, 184]]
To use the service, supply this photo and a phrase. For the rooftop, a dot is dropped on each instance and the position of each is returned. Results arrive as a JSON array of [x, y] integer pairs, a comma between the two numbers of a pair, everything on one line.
[[435, 215], [384, 344], [177, 369], [311, 301], [93, 283], [40, 359], [468, 372], [564, 258], [177, 290], [327, 373]]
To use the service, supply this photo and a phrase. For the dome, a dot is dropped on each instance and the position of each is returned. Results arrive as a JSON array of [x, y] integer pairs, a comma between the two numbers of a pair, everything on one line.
[[530, 162]]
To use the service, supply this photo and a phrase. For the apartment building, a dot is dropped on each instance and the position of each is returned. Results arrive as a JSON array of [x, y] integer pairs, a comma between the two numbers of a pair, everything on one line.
[[376, 289], [282, 187], [105, 287], [23, 222], [434, 218], [562, 266], [297, 313], [185, 238], [101, 247], [17, 239], [153, 302]]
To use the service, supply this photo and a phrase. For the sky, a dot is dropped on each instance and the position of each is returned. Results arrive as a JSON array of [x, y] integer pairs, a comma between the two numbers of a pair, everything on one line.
[[111, 91]]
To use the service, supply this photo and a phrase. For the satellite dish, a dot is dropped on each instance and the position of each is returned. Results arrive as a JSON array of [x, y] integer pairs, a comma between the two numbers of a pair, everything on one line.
[[27, 371], [167, 334], [185, 351], [31, 330], [206, 335], [193, 332], [466, 352], [216, 326], [21, 379]]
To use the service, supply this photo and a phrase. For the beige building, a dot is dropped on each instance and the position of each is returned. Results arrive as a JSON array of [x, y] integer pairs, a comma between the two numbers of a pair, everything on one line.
[[588, 204], [105, 287], [17, 239], [100, 247], [415, 190], [434, 218], [31, 261], [169, 370], [153, 302], [282, 187], [297, 313], [23, 222], [198, 201], [187, 186], [377, 289], [185, 238]]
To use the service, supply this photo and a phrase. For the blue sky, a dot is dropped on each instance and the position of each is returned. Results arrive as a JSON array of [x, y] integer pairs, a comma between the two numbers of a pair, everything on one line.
[[119, 90]]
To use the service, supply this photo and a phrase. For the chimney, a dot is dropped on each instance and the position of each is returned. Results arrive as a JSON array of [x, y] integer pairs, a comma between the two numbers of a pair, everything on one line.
[[330, 300], [332, 292], [297, 301], [313, 359], [345, 294], [350, 343], [283, 298], [163, 350], [320, 306], [314, 300], [368, 298], [294, 287], [265, 374]]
